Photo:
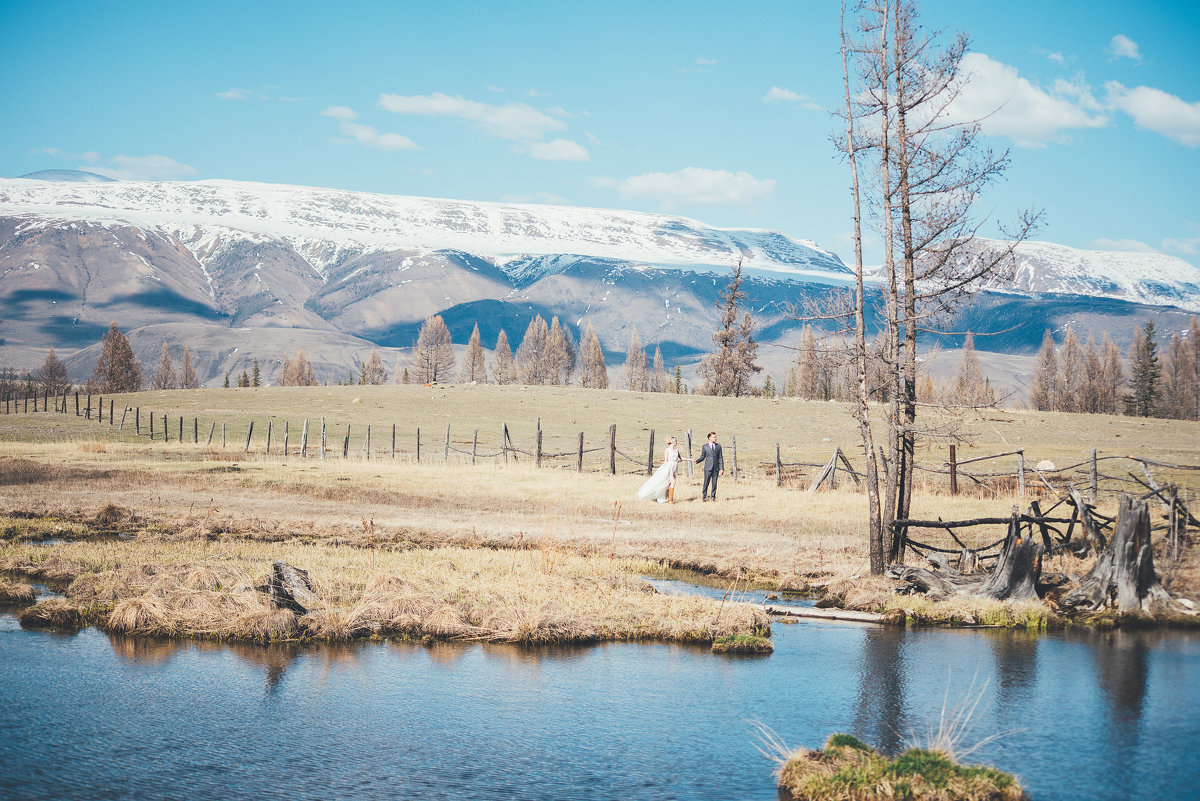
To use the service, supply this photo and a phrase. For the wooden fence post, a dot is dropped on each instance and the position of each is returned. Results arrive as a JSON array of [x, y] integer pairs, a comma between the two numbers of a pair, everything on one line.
[[612, 449], [110, 411], [446, 454], [123, 413], [650, 455], [690, 463], [151, 416], [77, 403], [249, 432], [195, 430], [1093, 478], [286, 432], [270, 431], [538, 461], [778, 467], [323, 443], [735, 470], [346, 443], [474, 445], [953, 470], [579, 464], [393, 440], [418, 446], [222, 436], [99, 408], [304, 440], [181, 429], [367, 446], [137, 420], [211, 429], [1021, 473]]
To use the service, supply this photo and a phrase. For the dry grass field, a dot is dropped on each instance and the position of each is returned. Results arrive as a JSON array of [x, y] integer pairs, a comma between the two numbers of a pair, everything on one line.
[[195, 507]]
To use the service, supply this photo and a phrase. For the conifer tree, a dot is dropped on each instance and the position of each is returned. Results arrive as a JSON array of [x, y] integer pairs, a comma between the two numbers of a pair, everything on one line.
[[969, 387], [373, 371], [52, 376], [187, 375], [659, 381], [504, 368], [635, 375], [164, 377], [117, 369], [677, 385], [255, 374], [1044, 391], [534, 356], [433, 355], [244, 381], [1113, 385], [593, 372], [1069, 390], [297, 372], [474, 370], [1144, 373], [226, 379], [728, 369], [1092, 389], [1177, 402]]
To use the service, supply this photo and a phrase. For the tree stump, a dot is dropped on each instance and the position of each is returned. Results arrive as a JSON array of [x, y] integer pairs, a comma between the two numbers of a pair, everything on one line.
[[290, 588], [1015, 576], [1123, 575]]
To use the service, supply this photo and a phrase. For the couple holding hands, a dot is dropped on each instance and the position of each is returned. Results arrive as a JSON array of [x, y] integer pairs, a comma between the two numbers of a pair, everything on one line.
[[661, 485]]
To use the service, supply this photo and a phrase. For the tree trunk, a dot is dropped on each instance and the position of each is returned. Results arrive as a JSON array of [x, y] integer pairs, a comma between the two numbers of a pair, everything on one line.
[[1123, 575]]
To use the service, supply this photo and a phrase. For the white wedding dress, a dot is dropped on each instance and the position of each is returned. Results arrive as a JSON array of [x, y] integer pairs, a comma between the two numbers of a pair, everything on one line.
[[656, 486]]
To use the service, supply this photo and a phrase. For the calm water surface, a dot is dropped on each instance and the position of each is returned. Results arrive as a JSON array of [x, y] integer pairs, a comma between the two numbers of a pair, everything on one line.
[[88, 716]]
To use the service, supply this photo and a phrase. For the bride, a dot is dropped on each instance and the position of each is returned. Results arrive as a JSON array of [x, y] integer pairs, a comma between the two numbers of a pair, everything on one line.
[[661, 485]]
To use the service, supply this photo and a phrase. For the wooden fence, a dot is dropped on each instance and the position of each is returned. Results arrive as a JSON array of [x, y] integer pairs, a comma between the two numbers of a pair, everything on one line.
[[1012, 475]]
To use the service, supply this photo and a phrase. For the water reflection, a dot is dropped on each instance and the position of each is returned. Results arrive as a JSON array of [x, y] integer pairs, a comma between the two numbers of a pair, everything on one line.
[[1105, 716], [879, 717]]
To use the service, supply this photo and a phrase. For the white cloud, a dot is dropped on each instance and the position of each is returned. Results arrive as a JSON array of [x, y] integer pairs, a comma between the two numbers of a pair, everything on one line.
[[370, 137], [1124, 47], [1008, 105], [340, 113], [706, 62], [1127, 245], [1155, 110], [237, 94], [367, 135], [91, 156], [558, 150], [143, 168], [694, 185], [777, 95], [509, 121], [1058, 58], [1182, 247]]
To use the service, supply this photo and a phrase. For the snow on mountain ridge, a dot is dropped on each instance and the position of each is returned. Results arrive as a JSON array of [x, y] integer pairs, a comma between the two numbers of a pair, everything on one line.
[[1152, 278], [201, 213]]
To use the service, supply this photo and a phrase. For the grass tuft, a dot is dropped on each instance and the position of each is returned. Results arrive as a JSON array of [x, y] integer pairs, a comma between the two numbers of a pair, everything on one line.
[[52, 613], [17, 593]]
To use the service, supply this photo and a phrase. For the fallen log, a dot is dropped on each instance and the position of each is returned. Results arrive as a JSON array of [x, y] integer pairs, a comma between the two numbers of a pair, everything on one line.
[[825, 614], [1123, 576]]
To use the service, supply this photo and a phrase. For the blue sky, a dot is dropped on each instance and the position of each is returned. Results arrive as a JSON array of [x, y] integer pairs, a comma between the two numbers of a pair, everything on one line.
[[715, 111]]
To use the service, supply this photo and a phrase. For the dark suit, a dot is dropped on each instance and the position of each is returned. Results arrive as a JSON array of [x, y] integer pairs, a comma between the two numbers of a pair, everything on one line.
[[714, 463]]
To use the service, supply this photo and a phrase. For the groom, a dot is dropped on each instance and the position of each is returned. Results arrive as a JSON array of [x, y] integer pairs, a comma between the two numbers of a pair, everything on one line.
[[714, 465]]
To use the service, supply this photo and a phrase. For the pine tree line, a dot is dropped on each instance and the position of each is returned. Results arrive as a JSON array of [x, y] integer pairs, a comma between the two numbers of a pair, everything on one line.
[[1091, 380]]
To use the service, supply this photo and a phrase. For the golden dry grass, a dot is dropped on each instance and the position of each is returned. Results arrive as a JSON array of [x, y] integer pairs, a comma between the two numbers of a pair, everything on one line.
[[64, 478]]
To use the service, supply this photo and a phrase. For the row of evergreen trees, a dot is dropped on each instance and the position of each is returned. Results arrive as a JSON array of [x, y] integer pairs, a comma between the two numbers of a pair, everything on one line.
[[1071, 378]]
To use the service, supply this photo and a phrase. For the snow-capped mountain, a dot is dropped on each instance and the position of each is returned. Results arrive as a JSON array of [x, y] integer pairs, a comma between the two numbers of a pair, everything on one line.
[[242, 271], [1155, 279], [321, 223]]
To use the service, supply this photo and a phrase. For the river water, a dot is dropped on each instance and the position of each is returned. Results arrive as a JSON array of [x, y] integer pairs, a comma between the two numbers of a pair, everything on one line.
[[1112, 715]]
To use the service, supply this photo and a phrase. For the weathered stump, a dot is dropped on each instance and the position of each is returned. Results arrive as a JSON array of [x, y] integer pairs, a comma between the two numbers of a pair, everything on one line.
[[1123, 575], [1014, 577], [290, 588]]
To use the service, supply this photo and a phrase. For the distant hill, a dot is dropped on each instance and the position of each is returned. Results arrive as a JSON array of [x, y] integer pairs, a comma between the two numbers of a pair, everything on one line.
[[239, 271]]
